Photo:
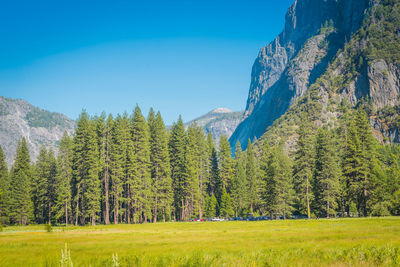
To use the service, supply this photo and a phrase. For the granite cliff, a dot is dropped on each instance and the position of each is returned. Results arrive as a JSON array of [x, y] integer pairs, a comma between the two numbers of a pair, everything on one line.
[[343, 49]]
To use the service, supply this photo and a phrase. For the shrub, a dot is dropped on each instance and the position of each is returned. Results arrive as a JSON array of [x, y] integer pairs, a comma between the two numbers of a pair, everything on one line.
[[49, 228]]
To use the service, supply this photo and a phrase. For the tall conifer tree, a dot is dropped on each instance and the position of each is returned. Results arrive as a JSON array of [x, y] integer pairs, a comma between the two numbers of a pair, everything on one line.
[[225, 163], [21, 205], [303, 169], [160, 169], [251, 176], [4, 188], [239, 192], [326, 175], [279, 193], [141, 163], [177, 148], [63, 179]]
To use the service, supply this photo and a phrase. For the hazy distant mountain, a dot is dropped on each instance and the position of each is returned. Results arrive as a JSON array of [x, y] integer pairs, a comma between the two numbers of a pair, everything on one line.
[[220, 121], [20, 119]]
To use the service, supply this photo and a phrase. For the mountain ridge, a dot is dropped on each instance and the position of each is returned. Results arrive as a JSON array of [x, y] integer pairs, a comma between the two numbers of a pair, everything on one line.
[[19, 118]]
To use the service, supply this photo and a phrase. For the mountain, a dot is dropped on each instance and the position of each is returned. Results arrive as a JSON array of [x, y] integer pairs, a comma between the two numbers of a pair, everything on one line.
[[20, 119], [220, 121], [330, 52]]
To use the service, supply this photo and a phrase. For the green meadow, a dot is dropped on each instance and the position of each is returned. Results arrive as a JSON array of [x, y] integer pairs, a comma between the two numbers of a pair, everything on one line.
[[334, 242]]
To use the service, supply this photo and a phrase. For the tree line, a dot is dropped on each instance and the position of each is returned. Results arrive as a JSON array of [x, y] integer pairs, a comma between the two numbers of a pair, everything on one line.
[[130, 169]]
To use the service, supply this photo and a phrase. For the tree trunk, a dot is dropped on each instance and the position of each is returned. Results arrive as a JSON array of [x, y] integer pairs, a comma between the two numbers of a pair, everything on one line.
[[115, 211], [66, 213], [77, 210], [163, 214], [343, 207], [327, 209], [308, 200], [365, 196], [155, 209], [183, 210], [107, 204], [200, 212], [49, 213], [129, 205]]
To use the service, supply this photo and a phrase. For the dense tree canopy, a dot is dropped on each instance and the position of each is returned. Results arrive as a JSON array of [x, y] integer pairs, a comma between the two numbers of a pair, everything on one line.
[[131, 169]]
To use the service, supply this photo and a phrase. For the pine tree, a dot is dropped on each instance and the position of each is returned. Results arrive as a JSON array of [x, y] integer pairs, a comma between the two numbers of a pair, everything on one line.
[[204, 168], [120, 135], [21, 205], [359, 161], [52, 185], [251, 176], [225, 163], [303, 169], [226, 205], [211, 206], [63, 179], [4, 189], [44, 186], [160, 169], [278, 194], [140, 189], [78, 166], [92, 188], [238, 182], [368, 158], [341, 137], [326, 175], [214, 182], [39, 186], [177, 148], [268, 186], [86, 180], [190, 183], [104, 142]]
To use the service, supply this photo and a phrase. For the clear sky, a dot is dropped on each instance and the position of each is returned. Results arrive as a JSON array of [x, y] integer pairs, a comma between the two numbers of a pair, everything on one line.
[[180, 57]]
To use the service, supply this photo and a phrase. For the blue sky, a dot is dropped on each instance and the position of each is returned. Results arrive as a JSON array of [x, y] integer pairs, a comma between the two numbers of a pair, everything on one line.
[[179, 57]]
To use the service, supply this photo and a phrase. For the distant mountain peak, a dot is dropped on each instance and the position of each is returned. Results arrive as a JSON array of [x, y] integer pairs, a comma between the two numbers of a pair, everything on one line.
[[221, 110], [218, 122]]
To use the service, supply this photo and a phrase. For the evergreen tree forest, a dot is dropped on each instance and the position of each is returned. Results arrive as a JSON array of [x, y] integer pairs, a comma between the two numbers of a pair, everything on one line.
[[133, 169]]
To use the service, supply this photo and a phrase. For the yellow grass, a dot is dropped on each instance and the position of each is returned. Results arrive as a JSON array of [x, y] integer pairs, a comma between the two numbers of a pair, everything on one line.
[[341, 242]]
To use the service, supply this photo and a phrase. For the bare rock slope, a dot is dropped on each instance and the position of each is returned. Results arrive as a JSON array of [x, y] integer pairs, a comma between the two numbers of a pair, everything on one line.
[[20, 119]]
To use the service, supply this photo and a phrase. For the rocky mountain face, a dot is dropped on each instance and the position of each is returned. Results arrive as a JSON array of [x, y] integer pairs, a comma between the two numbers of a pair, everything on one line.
[[20, 119], [218, 122], [343, 49]]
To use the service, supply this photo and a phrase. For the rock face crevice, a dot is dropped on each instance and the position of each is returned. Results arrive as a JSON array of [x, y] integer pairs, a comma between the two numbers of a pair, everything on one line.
[[315, 30]]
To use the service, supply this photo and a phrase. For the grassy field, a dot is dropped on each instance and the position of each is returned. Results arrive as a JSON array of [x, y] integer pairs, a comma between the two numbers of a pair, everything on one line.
[[341, 242]]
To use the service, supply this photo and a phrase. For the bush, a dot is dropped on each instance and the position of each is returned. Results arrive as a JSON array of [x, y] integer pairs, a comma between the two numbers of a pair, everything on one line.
[[49, 228], [381, 209]]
